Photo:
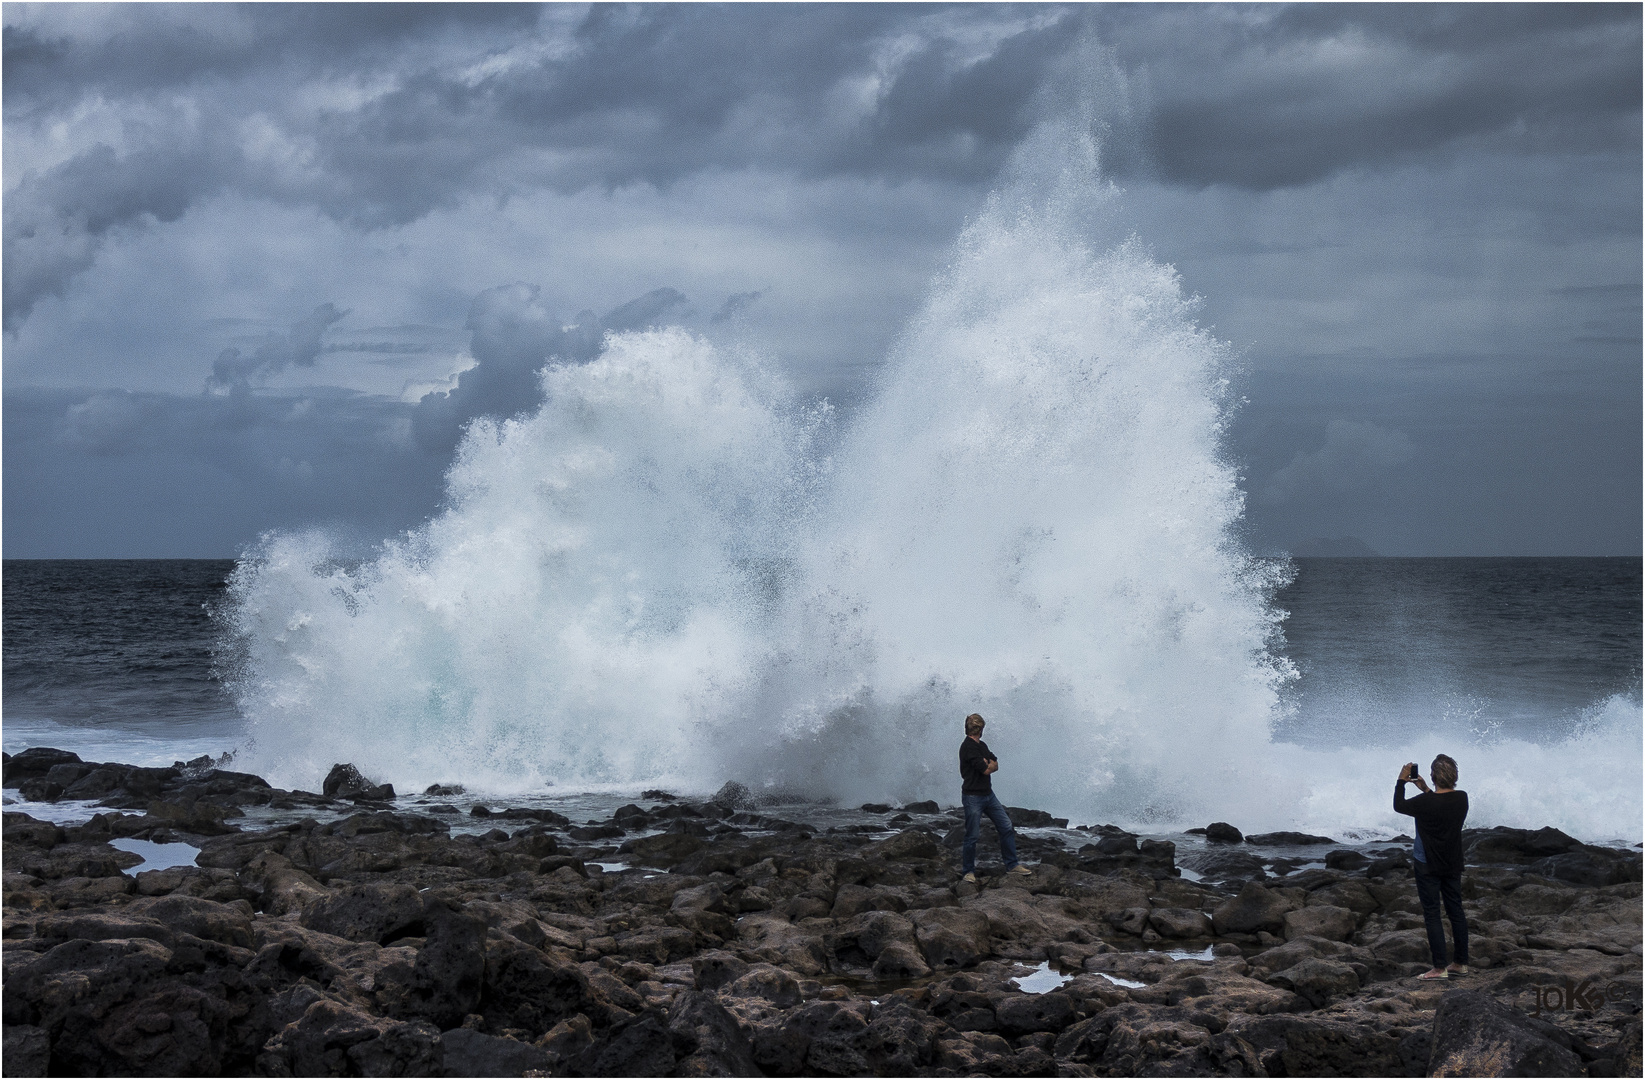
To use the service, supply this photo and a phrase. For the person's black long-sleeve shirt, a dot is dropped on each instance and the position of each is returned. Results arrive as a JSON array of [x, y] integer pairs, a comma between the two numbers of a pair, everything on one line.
[[1439, 817], [974, 759]]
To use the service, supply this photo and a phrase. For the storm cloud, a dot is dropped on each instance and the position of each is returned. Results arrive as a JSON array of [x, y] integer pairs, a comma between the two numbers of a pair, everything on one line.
[[241, 239], [514, 336]]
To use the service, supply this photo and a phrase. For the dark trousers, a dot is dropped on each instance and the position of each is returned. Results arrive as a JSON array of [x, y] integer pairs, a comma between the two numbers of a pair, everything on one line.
[[975, 807], [1431, 890]]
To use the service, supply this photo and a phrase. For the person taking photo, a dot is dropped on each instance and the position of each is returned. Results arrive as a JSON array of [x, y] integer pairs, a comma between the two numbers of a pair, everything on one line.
[[1436, 857]]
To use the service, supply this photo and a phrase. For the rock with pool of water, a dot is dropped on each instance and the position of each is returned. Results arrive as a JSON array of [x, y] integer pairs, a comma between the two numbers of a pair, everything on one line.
[[395, 942]]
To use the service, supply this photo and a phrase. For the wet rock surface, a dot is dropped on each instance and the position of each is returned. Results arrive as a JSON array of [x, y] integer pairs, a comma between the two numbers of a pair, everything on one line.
[[738, 943]]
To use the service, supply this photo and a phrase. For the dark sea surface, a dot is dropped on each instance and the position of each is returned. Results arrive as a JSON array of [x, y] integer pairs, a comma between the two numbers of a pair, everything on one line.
[[1388, 648], [105, 655], [117, 650], [118, 660]]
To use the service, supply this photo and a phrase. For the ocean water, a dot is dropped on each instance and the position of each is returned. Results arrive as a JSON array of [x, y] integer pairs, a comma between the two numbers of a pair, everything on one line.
[[1490, 659], [114, 659], [676, 573]]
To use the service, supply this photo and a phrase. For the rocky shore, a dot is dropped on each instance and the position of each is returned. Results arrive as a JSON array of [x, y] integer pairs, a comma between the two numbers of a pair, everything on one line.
[[722, 939]]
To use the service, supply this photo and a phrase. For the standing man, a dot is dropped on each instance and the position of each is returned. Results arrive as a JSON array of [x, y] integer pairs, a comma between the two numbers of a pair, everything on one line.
[[1437, 858], [977, 764]]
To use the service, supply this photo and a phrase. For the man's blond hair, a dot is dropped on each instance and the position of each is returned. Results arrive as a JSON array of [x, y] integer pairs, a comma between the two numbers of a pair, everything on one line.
[[974, 724]]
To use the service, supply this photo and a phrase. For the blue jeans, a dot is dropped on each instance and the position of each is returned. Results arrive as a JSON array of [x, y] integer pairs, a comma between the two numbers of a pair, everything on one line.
[[975, 807], [1433, 890]]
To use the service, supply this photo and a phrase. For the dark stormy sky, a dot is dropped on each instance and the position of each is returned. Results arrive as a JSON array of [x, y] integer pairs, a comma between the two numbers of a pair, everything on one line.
[[262, 263]]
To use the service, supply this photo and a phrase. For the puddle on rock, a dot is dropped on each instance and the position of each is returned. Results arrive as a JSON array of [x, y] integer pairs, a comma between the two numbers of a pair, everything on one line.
[[1042, 981], [1129, 984], [156, 856]]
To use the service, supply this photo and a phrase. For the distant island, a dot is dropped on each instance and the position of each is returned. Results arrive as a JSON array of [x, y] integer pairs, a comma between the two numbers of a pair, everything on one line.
[[1342, 547]]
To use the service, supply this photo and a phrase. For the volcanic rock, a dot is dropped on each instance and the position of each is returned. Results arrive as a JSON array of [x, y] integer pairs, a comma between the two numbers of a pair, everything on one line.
[[1254, 908], [346, 782], [1287, 839], [1475, 1035]]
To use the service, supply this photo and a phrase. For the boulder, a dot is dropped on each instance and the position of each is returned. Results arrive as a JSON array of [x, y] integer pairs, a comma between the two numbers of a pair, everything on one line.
[[473, 1053], [227, 924], [765, 981], [975, 1053], [334, 1039], [36, 761], [1224, 865], [866, 936], [1402, 947], [659, 944], [1320, 920], [1503, 845], [908, 844], [1254, 908], [1629, 1051], [27, 1050], [1318, 980], [1287, 839], [899, 1041], [900, 960], [373, 912], [705, 897], [528, 989], [1590, 866], [1179, 923], [1220, 832], [1345, 859], [1316, 1045], [714, 968], [631, 816], [346, 782], [1475, 1035], [444, 984], [708, 1041], [929, 806], [1020, 1014], [637, 1046], [951, 937], [733, 796], [1118, 844], [662, 849], [1023, 818]]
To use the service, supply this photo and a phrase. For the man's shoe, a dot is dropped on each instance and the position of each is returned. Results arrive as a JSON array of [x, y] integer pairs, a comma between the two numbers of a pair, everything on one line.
[[970, 879], [1019, 869], [1457, 969], [1436, 973]]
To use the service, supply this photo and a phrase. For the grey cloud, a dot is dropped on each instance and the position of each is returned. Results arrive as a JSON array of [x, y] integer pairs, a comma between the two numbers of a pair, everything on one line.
[[117, 474], [387, 348], [55, 222], [1266, 97], [1354, 451], [52, 58], [434, 104], [460, 105], [513, 335], [111, 423], [735, 304], [233, 372]]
